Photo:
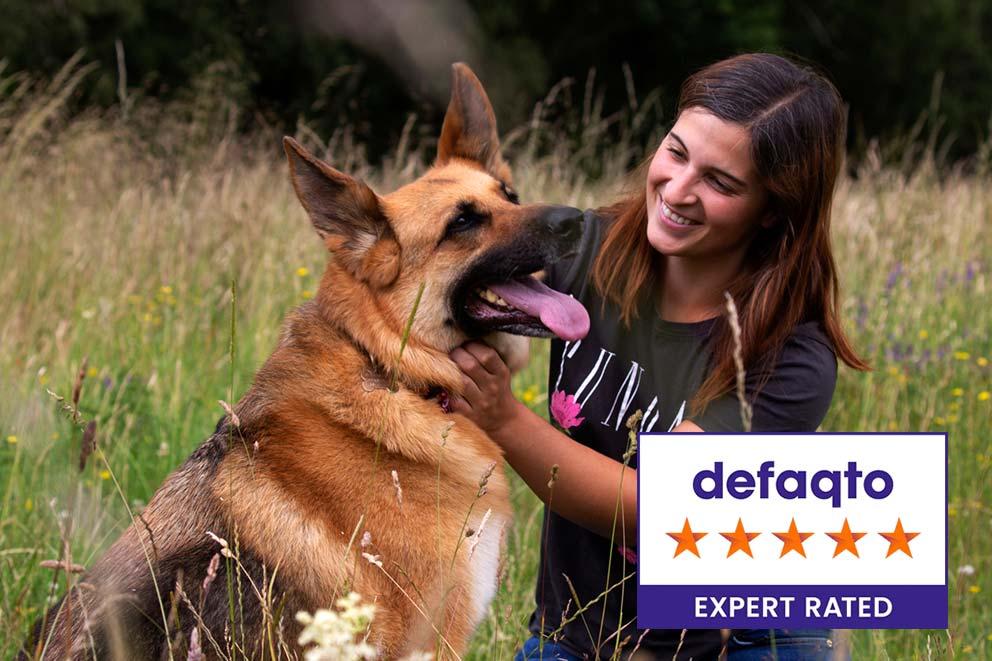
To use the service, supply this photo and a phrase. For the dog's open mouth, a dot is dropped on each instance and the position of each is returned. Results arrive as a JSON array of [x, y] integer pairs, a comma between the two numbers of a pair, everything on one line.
[[527, 306]]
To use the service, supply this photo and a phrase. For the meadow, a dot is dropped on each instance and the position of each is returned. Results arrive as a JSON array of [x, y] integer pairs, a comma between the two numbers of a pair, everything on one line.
[[123, 231]]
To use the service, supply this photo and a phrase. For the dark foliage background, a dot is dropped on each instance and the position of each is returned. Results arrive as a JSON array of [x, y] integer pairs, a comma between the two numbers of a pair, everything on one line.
[[370, 64]]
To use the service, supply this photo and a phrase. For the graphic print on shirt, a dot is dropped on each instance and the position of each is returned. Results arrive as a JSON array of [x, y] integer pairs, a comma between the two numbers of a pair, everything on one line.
[[565, 408]]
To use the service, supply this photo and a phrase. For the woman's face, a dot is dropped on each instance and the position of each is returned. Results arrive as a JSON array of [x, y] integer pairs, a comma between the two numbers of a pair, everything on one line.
[[704, 198]]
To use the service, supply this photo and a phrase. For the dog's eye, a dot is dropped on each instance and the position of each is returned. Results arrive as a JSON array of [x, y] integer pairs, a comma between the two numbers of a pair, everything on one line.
[[466, 219], [510, 194]]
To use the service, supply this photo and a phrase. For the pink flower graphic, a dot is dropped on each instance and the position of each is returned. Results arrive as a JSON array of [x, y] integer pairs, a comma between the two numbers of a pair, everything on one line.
[[629, 554], [565, 410]]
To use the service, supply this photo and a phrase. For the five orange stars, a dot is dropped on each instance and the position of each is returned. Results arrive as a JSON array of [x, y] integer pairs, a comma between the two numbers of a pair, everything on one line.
[[899, 539], [686, 539], [792, 540], [739, 540]]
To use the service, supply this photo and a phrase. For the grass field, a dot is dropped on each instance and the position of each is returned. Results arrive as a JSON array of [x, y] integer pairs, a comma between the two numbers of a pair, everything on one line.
[[119, 245]]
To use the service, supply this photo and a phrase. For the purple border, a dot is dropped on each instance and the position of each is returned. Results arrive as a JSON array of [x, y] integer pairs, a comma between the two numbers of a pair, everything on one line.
[[673, 606], [931, 611]]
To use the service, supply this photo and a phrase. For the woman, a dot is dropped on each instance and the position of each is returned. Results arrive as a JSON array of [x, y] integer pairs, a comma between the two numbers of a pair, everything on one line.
[[738, 198]]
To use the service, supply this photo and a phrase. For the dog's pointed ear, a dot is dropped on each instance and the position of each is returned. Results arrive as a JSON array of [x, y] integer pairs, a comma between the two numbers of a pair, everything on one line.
[[469, 129], [347, 215]]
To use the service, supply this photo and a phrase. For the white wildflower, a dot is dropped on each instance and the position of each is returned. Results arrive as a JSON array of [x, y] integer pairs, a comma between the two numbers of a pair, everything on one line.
[[966, 570], [338, 634]]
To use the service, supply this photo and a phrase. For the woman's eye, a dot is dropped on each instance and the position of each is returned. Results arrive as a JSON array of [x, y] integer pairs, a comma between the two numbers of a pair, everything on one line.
[[720, 186], [676, 153]]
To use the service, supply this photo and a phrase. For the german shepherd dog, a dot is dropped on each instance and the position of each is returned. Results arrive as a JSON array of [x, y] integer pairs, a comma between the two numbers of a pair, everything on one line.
[[341, 468]]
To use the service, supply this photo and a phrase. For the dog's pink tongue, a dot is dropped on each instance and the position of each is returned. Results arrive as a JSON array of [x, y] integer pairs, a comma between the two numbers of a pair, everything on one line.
[[564, 315]]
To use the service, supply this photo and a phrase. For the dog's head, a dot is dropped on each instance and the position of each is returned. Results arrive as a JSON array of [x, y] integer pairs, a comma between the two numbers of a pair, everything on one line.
[[459, 230]]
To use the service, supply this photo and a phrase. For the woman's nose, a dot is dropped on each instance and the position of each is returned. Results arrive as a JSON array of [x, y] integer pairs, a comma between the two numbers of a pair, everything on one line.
[[680, 189]]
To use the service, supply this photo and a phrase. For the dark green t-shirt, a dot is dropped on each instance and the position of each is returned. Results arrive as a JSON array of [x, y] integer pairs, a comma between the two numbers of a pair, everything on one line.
[[594, 386]]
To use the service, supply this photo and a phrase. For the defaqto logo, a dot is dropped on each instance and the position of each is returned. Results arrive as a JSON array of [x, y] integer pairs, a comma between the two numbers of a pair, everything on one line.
[[792, 531]]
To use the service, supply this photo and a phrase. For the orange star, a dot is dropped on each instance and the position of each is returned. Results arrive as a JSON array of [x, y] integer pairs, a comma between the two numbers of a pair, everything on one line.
[[899, 539], [793, 540], [739, 540], [686, 539], [846, 540]]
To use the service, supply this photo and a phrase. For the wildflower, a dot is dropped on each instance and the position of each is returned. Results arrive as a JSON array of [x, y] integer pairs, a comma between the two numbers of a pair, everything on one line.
[[984, 396], [163, 449], [982, 361], [165, 289], [55, 436], [28, 505], [966, 570], [373, 559], [893, 426], [303, 271], [957, 392], [306, 294], [962, 355], [334, 631], [951, 419], [924, 334], [529, 395], [954, 406], [91, 372], [12, 440], [893, 370], [952, 511], [939, 421], [104, 474], [88, 313], [967, 649], [974, 589]]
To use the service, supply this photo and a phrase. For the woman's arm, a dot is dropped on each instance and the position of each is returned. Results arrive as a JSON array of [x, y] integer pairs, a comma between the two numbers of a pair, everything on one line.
[[589, 483]]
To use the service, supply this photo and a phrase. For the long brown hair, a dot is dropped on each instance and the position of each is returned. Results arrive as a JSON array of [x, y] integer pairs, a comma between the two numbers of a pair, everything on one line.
[[796, 121]]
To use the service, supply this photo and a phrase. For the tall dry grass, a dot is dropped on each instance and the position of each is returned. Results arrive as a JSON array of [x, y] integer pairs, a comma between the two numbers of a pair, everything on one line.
[[121, 235]]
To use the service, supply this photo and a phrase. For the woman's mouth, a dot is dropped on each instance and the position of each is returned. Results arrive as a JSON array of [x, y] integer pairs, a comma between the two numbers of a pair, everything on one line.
[[674, 218]]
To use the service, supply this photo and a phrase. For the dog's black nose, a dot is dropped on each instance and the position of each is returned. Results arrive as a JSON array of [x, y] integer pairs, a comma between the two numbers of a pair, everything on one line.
[[564, 224]]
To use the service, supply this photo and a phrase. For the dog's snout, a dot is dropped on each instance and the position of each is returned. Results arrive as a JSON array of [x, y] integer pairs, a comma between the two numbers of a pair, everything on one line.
[[564, 223]]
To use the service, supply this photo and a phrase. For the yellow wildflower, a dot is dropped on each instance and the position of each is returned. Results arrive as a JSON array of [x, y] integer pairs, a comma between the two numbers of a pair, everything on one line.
[[303, 271], [967, 649], [893, 426], [952, 511], [954, 406], [104, 474], [939, 421], [951, 419], [55, 436], [962, 355], [974, 589], [893, 370], [91, 372], [12, 439], [165, 289], [903, 379], [529, 395], [306, 293], [957, 392], [984, 396], [988, 637], [28, 505], [982, 361], [924, 334], [43, 379]]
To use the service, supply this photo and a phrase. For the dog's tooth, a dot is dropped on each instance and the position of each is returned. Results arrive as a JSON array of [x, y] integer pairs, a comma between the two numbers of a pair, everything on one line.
[[499, 299]]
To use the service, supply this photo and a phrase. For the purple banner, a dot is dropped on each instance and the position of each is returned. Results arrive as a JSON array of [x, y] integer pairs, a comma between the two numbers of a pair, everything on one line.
[[792, 606]]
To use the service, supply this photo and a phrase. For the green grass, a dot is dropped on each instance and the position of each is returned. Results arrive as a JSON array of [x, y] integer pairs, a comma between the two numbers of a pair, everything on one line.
[[120, 240]]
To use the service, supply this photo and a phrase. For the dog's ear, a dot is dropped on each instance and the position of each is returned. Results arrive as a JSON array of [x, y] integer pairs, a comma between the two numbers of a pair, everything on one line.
[[469, 129], [347, 215]]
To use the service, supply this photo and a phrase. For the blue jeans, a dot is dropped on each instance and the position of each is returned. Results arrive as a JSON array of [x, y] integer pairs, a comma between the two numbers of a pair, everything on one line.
[[550, 651], [781, 645]]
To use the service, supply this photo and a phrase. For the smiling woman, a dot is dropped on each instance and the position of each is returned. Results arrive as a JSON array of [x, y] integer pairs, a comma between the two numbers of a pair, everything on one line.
[[736, 200]]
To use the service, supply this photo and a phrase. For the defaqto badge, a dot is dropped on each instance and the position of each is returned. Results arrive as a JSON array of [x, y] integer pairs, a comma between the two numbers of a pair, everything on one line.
[[763, 531]]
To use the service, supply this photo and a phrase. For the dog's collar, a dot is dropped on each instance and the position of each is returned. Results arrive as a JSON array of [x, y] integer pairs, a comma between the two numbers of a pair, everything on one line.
[[441, 396]]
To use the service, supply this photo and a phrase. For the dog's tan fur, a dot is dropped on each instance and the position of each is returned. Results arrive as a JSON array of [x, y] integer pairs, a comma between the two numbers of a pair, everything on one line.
[[333, 411]]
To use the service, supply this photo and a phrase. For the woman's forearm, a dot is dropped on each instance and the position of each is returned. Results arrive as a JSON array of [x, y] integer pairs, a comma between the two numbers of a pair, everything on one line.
[[592, 490]]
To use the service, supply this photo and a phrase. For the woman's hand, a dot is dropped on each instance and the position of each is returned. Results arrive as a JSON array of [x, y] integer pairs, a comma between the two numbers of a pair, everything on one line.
[[489, 400]]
